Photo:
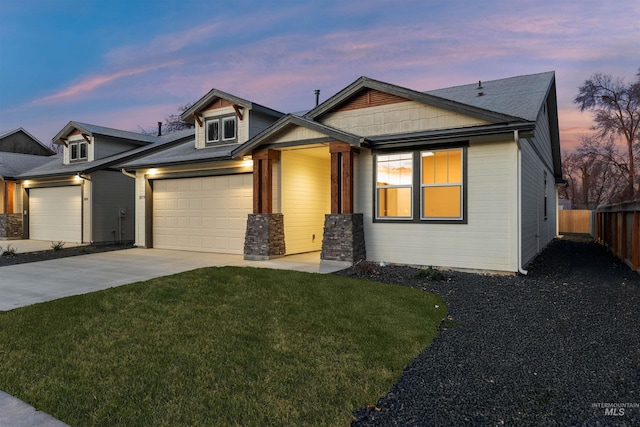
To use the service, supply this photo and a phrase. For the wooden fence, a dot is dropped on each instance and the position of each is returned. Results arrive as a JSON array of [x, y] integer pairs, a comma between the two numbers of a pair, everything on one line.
[[578, 221], [618, 229]]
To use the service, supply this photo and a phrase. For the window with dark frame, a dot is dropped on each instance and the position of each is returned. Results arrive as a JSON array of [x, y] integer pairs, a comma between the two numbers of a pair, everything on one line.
[[77, 151], [421, 186], [220, 129]]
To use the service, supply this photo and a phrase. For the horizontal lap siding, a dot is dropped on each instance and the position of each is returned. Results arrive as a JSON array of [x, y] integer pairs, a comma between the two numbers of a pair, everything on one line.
[[484, 243]]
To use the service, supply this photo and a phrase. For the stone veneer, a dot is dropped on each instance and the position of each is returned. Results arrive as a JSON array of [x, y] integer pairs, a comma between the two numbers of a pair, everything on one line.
[[343, 238], [10, 226], [265, 237]]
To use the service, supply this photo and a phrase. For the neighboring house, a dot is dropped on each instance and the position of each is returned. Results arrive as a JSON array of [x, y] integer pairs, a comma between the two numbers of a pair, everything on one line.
[[19, 152], [80, 196], [463, 177]]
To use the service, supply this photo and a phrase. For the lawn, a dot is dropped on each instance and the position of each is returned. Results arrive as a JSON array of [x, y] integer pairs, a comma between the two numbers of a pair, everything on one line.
[[216, 346]]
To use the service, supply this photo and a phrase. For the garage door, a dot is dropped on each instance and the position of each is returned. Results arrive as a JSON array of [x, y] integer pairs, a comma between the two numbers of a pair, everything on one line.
[[206, 214], [55, 214]]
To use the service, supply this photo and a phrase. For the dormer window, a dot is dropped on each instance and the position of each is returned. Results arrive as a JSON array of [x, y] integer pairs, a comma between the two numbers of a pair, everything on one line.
[[220, 129], [77, 151]]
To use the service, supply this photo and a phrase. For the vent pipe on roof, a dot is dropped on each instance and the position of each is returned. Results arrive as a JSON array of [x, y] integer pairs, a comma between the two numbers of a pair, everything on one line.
[[317, 91], [480, 92], [159, 128]]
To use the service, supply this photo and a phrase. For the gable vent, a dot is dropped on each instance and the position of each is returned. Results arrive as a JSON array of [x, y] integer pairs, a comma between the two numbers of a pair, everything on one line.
[[370, 98]]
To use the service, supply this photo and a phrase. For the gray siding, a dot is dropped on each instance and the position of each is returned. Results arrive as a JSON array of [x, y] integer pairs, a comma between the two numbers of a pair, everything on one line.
[[19, 142], [105, 147], [112, 191], [258, 122]]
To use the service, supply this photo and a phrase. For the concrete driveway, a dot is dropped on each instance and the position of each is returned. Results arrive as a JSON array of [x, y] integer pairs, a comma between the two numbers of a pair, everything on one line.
[[31, 283]]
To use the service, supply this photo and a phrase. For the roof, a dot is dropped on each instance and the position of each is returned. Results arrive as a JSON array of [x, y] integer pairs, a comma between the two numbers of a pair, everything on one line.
[[56, 167], [14, 164], [7, 133], [186, 152], [187, 115], [136, 138], [521, 96]]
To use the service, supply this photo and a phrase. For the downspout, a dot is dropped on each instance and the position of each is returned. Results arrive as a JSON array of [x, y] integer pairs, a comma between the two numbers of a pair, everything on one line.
[[130, 175], [516, 137]]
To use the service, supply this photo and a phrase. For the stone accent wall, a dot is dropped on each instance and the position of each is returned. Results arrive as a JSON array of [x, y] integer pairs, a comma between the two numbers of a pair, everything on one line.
[[343, 238], [265, 237], [10, 226]]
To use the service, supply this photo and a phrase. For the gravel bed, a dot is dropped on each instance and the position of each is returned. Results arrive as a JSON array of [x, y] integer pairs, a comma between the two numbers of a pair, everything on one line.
[[24, 257], [540, 349]]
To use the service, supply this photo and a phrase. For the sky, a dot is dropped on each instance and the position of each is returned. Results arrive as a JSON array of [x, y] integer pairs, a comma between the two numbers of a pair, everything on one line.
[[128, 64]]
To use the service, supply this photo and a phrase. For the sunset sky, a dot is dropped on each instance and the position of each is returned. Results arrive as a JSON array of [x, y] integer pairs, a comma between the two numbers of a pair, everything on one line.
[[127, 64]]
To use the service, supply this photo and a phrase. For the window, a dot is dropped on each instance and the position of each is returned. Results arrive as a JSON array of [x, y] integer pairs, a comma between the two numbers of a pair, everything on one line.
[[220, 129], [228, 128], [394, 185], [420, 186], [213, 130], [441, 184], [77, 151]]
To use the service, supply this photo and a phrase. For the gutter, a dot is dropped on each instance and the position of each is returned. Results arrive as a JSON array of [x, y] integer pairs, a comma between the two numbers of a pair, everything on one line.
[[516, 137], [130, 175]]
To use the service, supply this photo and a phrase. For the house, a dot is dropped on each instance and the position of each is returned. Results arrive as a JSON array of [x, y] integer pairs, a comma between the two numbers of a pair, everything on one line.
[[19, 152], [463, 177], [79, 196]]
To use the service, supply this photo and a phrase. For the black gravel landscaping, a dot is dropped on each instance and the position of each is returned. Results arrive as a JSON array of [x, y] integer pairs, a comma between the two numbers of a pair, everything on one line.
[[559, 346], [7, 257]]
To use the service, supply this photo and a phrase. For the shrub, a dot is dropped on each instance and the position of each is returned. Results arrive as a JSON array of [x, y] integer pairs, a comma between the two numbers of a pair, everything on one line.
[[430, 273], [9, 251], [56, 246]]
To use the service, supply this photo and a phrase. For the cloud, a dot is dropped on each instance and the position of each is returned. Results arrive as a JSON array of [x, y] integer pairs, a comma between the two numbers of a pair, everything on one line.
[[92, 83]]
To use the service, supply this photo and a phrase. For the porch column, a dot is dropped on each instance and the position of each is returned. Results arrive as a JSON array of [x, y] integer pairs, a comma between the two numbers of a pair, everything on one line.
[[264, 238], [343, 238], [342, 177]]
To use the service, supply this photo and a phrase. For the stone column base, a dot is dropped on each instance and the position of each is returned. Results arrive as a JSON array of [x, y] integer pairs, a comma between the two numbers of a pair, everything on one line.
[[10, 226], [343, 238], [265, 237]]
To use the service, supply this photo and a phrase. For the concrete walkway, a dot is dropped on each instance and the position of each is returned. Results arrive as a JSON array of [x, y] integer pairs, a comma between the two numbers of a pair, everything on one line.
[[31, 283]]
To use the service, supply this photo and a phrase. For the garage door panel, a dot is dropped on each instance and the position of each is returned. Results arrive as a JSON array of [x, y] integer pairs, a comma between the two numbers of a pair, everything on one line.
[[206, 214], [55, 214]]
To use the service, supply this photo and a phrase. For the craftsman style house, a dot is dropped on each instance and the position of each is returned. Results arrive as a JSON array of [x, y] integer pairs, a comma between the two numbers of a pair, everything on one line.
[[462, 177]]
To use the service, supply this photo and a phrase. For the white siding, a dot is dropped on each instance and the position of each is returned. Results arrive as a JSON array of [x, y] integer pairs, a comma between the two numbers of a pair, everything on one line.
[[486, 242], [296, 133], [140, 204], [87, 211], [242, 125], [306, 197], [397, 118]]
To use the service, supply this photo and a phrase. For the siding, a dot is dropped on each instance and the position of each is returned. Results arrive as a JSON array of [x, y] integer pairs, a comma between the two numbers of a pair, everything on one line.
[[398, 118], [486, 242], [305, 197], [258, 122], [104, 147], [87, 193], [242, 130], [112, 191], [297, 133]]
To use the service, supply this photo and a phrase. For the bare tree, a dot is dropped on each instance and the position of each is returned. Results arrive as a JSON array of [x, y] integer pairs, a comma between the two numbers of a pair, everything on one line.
[[596, 172], [616, 111], [171, 123]]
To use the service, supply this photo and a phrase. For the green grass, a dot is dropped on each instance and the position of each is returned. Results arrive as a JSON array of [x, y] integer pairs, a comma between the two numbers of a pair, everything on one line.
[[216, 346]]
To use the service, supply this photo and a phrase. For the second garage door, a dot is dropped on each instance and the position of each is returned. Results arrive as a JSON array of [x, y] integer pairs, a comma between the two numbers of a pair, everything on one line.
[[207, 214], [55, 214]]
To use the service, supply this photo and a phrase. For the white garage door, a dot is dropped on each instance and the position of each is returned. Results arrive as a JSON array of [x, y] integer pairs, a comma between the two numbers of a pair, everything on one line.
[[55, 214], [206, 214]]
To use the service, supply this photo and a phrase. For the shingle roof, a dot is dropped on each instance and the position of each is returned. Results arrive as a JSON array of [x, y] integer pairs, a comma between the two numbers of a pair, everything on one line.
[[6, 133], [14, 164], [520, 96], [58, 168], [185, 152], [135, 137]]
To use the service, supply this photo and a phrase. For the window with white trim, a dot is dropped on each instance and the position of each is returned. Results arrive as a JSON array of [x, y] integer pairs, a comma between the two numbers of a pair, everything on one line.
[[421, 186], [77, 151], [220, 129]]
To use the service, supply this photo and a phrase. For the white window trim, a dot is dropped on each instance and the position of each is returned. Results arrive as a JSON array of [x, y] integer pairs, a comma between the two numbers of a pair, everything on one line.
[[235, 128], [78, 145], [206, 130]]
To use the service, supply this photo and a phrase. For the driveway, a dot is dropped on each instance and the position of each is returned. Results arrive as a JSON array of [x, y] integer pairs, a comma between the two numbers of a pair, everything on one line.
[[31, 283]]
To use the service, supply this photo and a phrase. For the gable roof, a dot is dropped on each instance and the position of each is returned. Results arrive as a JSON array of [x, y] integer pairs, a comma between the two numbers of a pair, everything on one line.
[[295, 120], [56, 167], [93, 130], [425, 98], [8, 133], [202, 103]]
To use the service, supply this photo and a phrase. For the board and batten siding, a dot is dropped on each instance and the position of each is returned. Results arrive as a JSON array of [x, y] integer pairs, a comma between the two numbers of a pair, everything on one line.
[[305, 198], [105, 147], [537, 231], [112, 191], [258, 122], [487, 242], [397, 118]]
